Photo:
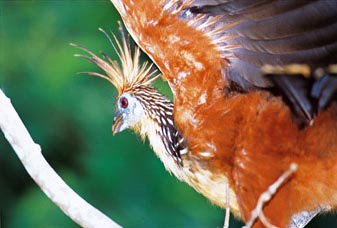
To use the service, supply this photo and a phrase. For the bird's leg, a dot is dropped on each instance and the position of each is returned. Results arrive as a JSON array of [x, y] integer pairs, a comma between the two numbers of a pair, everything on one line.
[[266, 196], [227, 211]]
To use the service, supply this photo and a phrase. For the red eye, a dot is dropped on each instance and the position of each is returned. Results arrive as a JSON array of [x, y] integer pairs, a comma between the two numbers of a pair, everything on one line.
[[124, 102]]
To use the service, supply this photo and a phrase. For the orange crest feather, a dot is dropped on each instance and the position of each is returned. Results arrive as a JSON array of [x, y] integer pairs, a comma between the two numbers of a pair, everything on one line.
[[127, 75]]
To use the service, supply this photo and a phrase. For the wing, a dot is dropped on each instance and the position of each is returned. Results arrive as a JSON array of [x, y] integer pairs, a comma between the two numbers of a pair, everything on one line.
[[184, 39], [276, 32], [280, 32]]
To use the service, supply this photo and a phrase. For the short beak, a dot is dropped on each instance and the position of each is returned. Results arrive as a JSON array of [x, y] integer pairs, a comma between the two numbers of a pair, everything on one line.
[[117, 123]]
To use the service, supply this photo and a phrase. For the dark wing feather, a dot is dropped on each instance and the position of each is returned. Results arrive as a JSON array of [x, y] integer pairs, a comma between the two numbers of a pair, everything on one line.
[[279, 32]]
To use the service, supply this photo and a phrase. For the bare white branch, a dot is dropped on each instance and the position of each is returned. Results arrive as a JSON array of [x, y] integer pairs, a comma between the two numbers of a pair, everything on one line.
[[44, 175]]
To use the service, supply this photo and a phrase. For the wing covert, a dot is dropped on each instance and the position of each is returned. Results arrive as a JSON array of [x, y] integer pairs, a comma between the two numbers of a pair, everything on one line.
[[279, 32]]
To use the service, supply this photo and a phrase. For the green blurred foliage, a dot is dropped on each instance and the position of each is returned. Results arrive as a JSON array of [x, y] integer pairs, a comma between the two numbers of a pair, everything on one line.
[[70, 116]]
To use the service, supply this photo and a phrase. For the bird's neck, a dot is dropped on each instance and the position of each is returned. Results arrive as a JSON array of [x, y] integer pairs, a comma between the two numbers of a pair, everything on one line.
[[171, 162], [159, 127]]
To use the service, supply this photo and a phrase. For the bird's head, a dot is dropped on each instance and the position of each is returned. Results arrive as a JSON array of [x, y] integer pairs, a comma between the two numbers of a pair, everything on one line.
[[132, 81], [139, 106], [129, 113]]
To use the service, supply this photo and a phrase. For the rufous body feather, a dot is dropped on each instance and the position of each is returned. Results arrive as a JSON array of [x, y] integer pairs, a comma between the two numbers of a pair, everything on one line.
[[246, 139]]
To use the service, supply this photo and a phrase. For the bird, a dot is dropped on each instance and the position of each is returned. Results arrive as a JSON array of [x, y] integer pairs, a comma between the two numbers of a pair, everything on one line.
[[253, 122]]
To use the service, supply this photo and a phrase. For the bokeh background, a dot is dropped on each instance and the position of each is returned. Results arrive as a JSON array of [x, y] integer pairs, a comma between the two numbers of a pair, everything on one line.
[[70, 116]]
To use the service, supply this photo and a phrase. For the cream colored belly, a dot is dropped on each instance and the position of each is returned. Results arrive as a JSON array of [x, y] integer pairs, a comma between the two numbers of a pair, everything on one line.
[[212, 186]]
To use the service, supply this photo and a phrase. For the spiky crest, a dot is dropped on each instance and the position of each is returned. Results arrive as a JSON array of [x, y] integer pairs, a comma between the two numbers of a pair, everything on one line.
[[129, 74]]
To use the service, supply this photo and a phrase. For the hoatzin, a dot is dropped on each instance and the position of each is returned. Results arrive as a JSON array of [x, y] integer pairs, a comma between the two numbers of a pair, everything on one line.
[[254, 100]]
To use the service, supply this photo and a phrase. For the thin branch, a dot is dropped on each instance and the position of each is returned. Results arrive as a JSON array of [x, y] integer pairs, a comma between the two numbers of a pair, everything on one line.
[[44, 175], [227, 211], [266, 196]]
